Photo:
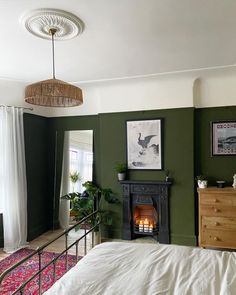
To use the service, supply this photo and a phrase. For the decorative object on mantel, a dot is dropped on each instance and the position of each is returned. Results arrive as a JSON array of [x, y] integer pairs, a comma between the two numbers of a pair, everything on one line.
[[167, 175], [223, 138], [53, 24], [234, 182], [121, 170], [201, 181], [144, 144]]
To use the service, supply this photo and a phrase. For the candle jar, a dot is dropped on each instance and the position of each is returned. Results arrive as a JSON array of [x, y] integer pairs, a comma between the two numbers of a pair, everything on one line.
[[146, 228], [146, 225], [140, 227]]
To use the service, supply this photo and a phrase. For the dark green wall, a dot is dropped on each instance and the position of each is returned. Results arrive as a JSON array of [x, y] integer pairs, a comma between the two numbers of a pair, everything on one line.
[[110, 146], [217, 167], [186, 145], [36, 153]]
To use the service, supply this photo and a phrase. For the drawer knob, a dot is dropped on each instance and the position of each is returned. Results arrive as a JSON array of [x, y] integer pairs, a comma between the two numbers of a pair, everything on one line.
[[216, 223], [216, 239], [216, 210], [215, 200]]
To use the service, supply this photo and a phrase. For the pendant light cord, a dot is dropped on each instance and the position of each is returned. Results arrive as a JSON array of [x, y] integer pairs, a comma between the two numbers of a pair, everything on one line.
[[53, 32]]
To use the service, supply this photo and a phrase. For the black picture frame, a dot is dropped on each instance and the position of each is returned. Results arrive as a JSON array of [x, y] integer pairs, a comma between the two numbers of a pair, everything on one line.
[[144, 144], [223, 138]]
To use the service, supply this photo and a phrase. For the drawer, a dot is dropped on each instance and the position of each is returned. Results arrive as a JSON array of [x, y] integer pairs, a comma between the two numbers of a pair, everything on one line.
[[217, 210], [221, 239], [218, 223], [222, 199]]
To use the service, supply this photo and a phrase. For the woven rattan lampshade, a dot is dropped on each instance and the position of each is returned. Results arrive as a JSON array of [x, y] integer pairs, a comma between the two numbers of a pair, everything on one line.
[[53, 93], [51, 24]]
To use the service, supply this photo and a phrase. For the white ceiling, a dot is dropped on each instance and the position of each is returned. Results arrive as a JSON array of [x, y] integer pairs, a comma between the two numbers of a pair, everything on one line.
[[122, 38]]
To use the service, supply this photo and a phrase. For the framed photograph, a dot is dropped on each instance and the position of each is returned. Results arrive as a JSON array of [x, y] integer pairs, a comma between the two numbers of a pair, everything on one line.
[[223, 138], [144, 144]]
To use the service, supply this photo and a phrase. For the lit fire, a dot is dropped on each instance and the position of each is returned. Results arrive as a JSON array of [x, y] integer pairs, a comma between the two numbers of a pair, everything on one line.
[[145, 225]]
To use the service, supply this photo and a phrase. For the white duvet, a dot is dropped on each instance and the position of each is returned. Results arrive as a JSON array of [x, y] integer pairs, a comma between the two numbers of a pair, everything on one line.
[[149, 269]]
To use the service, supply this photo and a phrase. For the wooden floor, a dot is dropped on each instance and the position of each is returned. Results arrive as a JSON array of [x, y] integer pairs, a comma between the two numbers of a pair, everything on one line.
[[58, 245]]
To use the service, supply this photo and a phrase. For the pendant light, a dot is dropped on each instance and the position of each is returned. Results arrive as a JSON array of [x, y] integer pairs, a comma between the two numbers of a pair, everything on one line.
[[53, 92]]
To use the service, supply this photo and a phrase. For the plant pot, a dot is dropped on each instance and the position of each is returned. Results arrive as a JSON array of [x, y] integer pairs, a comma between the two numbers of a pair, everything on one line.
[[121, 176], [202, 183], [97, 238]]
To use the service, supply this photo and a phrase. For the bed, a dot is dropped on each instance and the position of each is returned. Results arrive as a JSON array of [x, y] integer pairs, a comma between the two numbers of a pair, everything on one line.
[[121, 268]]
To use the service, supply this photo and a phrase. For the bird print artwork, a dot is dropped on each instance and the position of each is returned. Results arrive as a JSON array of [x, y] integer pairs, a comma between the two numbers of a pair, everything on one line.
[[148, 152], [143, 143]]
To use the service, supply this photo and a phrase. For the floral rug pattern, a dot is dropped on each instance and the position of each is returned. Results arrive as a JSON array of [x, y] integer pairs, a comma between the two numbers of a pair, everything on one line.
[[29, 268]]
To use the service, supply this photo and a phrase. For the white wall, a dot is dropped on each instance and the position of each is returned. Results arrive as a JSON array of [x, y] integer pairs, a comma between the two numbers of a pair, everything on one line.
[[146, 94], [215, 90], [199, 89]]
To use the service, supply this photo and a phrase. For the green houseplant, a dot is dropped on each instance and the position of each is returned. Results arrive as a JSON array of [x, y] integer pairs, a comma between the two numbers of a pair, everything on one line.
[[74, 177], [84, 203], [120, 168]]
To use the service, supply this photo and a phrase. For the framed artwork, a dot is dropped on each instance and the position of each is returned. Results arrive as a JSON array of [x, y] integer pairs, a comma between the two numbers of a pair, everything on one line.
[[144, 144], [223, 138]]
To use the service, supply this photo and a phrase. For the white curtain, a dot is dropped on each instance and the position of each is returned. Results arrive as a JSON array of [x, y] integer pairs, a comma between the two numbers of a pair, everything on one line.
[[13, 190], [64, 209]]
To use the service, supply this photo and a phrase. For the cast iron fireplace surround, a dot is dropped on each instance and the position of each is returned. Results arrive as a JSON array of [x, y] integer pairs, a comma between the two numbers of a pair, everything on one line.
[[143, 194]]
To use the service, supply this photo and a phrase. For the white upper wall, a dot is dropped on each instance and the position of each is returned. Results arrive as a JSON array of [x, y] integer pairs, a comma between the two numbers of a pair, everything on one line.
[[145, 94], [199, 89], [215, 91]]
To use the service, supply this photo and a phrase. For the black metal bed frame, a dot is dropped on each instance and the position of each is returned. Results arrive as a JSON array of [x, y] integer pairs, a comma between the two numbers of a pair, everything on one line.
[[39, 250]]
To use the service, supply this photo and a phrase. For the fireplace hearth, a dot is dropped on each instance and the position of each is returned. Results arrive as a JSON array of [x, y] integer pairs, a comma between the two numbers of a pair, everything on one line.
[[146, 210]]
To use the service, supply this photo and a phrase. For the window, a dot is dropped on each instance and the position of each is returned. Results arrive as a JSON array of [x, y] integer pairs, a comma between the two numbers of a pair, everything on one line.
[[81, 160]]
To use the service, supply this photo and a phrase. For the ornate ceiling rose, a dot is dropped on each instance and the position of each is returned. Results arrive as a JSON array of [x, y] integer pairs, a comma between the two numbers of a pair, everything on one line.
[[38, 22]]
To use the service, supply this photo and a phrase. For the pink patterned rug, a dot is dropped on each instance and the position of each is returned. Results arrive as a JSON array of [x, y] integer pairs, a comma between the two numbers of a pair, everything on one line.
[[30, 267]]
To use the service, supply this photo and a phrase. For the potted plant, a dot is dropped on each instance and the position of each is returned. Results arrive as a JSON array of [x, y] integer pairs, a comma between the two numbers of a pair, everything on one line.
[[85, 203], [74, 177], [121, 170], [201, 181]]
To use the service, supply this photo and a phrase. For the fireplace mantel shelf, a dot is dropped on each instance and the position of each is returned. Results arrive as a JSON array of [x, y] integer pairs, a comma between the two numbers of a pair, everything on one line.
[[158, 182]]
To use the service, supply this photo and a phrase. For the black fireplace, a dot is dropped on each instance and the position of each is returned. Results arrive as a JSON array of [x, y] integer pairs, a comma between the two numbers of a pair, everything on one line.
[[146, 210]]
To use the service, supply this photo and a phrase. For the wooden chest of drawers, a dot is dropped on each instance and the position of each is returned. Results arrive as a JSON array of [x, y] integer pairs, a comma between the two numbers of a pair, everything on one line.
[[217, 217]]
